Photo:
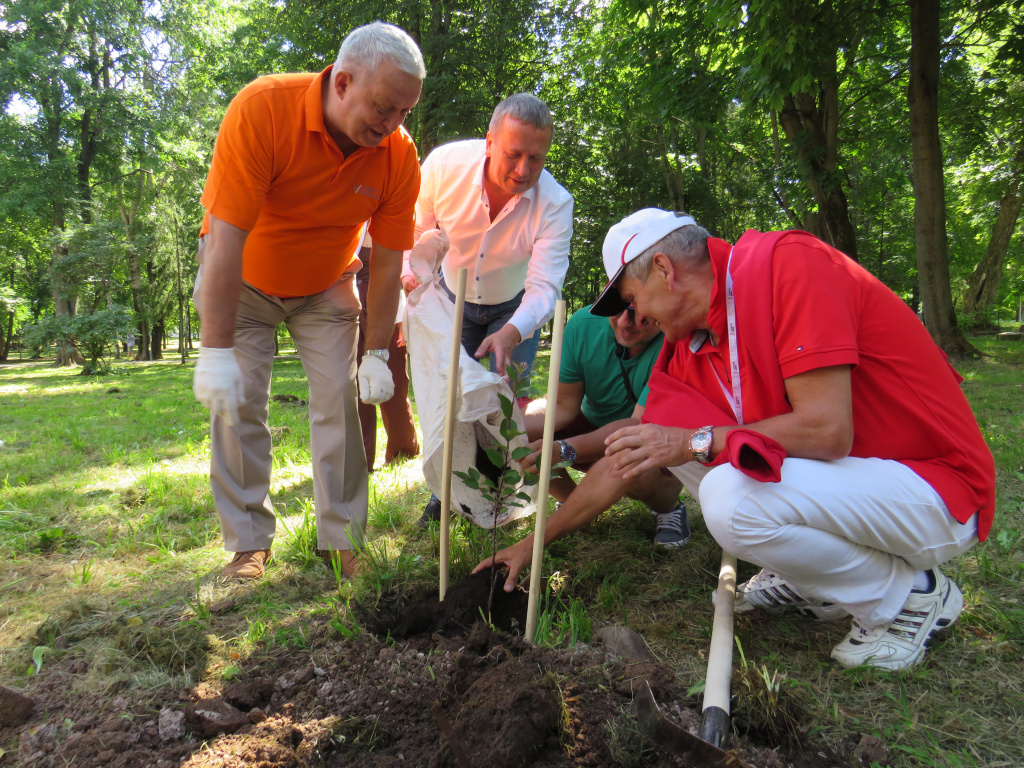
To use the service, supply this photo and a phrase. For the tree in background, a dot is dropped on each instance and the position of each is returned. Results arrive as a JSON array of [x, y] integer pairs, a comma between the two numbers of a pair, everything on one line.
[[782, 114], [999, 160], [113, 98], [92, 335], [929, 185]]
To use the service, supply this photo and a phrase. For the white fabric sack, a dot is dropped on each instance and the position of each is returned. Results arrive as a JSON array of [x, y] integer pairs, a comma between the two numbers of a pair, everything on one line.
[[428, 327]]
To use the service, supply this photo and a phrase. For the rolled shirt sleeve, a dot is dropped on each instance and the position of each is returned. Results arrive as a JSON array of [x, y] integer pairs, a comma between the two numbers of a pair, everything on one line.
[[525, 248], [549, 264]]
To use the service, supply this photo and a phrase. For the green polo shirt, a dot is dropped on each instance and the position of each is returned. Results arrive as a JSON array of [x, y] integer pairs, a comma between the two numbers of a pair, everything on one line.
[[590, 354]]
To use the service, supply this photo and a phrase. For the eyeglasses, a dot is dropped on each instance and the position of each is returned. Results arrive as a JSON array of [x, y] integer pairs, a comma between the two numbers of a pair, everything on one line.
[[630, 312]]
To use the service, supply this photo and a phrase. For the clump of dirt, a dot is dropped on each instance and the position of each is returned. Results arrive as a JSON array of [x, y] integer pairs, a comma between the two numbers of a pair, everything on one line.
[[465, 604], [289, 400], [452, 692]]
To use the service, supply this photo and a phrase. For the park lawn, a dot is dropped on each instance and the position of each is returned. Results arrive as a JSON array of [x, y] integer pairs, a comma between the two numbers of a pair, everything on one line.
[[109, 550]]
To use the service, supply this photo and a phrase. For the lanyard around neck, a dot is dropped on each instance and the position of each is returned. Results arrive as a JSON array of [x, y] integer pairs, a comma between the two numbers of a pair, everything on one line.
[[735, 397]]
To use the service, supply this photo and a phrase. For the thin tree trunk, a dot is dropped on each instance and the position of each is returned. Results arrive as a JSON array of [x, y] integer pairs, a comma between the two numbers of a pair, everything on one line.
[[983, 284], [181, 294], [8, 336], [929, 194], [672, 182], [135, 274], [811, 126], [156, 341]]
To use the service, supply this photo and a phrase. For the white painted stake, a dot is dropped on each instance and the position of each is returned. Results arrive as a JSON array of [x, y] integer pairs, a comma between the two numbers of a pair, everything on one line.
[[545, 470], [718, 683], [449, 428]]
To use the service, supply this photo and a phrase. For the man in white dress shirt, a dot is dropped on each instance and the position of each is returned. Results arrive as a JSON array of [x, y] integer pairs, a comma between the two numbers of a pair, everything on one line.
[[509, 223]]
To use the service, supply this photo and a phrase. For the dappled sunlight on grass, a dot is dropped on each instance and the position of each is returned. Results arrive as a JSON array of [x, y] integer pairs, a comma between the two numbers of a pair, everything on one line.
[[110, 550]]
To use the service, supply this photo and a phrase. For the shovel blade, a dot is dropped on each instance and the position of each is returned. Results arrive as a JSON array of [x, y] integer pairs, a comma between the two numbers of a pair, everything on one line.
[[680, 741]]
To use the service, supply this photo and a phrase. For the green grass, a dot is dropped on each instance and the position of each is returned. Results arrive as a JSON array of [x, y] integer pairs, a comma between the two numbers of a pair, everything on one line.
[[110, 549]]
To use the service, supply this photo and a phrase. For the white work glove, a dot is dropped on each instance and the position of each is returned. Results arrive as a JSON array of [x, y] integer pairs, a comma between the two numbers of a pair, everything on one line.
[[217, 382], [376, 384], [426, 255]]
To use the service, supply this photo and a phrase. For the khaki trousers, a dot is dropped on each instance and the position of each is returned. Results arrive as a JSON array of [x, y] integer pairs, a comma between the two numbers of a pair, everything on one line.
[[396, 413], [324, 328]]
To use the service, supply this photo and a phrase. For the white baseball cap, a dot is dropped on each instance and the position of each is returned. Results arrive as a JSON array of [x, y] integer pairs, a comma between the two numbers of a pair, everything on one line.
[[627, 240]]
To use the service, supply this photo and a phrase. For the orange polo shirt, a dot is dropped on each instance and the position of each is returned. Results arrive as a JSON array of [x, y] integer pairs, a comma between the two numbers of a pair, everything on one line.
[[278, 174]]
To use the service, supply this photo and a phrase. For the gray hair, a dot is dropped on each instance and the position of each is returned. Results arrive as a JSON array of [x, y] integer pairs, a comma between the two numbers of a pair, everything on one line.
[[687, 245], [526, 108], [369, 46]]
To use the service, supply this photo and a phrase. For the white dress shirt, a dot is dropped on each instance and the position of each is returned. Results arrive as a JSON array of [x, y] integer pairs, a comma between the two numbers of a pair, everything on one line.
[[526, 246]]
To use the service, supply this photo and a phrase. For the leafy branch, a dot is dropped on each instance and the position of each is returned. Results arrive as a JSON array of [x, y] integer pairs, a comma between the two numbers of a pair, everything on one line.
[[502, 488]]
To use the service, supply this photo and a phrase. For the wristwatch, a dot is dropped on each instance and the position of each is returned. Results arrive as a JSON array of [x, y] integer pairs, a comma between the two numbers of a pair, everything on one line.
[[568, 452], [700, 444], [383, 354]]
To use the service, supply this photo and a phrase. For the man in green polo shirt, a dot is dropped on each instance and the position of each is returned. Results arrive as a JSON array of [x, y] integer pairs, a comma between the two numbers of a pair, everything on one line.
[[602, 386]]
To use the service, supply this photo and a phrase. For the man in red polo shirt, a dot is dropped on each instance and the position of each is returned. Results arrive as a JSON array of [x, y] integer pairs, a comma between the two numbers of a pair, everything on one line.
[[302, 161], [783, 343], [809, 411]]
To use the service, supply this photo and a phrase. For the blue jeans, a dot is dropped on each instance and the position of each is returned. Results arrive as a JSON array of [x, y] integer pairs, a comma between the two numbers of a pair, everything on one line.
[[481, 320]]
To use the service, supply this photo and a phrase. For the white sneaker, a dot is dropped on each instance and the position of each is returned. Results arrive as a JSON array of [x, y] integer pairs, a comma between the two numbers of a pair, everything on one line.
[[768, 591], [901, 643]]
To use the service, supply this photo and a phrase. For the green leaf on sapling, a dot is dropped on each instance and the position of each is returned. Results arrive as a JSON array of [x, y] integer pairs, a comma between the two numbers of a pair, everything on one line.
[[467, 480], [496, 456], [506, 406]]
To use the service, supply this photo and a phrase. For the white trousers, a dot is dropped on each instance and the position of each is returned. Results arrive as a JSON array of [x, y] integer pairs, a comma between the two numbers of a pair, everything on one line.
[[851, 532]]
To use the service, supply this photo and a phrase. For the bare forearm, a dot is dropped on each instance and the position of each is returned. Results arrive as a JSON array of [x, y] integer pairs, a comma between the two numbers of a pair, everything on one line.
[[820, 426], [534, 418], [590, 447], [382, 296], [221, 283], [599, 489]]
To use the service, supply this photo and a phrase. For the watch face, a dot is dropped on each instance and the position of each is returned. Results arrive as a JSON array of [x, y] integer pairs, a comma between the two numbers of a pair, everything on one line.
[[568, 452], [700, 444]]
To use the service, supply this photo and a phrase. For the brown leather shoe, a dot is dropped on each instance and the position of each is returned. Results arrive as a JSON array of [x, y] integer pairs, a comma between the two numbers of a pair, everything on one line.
[[350, 564], [247, 565]]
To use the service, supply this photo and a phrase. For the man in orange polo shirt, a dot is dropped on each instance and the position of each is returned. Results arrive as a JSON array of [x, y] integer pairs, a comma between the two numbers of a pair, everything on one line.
[[301, 162]]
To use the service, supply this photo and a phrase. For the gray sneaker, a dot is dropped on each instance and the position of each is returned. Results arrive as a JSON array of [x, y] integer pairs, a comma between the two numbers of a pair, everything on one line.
[[673, 527]]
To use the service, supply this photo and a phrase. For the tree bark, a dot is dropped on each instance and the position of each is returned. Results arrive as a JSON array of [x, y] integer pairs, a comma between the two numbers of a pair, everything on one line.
[[156, 341], [929, 187], [811, 126], [983, 284], [8, 336], [128, 214], [52, 108], [673, 184]]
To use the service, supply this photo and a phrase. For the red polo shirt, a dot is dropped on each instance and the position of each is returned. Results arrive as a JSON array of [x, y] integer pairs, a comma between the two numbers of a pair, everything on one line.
[[807, 306]]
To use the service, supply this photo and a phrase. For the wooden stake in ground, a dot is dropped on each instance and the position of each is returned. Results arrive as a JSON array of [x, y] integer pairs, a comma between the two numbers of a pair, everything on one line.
[[449, 427], [714, 724], [555, 364]]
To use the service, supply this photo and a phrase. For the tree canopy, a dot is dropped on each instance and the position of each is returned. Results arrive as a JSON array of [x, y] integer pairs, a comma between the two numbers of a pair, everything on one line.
[[783, 114]]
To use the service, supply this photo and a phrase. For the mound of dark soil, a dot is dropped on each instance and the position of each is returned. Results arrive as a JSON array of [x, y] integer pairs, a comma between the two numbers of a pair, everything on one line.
[[451, 693], [465, 604]]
